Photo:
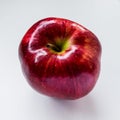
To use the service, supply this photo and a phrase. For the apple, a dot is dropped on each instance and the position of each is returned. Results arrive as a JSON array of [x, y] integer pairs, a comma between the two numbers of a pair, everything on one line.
[[60, 58]]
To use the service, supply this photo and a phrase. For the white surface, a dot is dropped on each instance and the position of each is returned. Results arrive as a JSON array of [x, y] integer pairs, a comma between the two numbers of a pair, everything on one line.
[[18, 101]]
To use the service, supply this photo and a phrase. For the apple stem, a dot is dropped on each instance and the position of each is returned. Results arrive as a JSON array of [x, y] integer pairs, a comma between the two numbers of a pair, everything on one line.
[[53, 47]]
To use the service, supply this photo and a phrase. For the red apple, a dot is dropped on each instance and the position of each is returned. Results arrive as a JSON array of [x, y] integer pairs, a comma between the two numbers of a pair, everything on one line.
[[60, 58]]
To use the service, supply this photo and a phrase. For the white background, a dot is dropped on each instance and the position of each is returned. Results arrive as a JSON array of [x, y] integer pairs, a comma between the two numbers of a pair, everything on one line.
[[18, 101]]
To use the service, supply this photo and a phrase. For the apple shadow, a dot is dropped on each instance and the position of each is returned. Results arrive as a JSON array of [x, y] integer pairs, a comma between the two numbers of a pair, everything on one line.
[[52, 109], [85, 107]]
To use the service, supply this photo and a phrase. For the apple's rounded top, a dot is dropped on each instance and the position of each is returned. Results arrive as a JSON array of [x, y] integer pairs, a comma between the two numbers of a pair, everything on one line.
[[62, 32]]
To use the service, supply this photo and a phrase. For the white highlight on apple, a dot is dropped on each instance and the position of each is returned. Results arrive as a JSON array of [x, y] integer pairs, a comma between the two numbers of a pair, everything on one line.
[[41, 25], [40, 53]]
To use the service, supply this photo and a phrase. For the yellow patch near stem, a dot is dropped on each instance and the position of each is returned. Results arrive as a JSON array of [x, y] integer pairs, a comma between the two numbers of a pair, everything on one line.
[[60, 46]]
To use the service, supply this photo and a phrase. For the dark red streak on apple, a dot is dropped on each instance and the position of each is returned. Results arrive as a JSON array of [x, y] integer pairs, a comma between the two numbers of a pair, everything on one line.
[[60, 58]]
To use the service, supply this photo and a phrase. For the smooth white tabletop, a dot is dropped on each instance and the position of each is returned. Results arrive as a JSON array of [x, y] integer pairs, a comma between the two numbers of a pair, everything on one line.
[[18, 101]]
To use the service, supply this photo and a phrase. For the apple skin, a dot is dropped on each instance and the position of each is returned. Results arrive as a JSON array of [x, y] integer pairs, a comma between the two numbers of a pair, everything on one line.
[[69, 72]]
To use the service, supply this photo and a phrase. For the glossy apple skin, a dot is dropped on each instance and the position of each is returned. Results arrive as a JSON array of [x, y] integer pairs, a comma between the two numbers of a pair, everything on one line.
[[69, 75]]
